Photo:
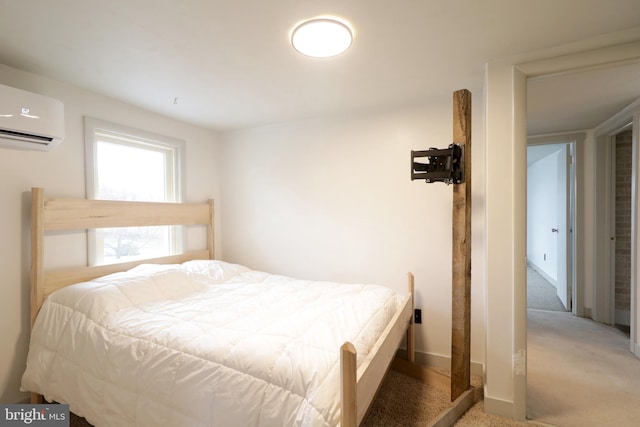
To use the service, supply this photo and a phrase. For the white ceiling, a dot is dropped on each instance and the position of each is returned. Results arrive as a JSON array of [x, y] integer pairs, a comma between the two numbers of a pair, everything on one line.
[[229, 63], [581, 99]]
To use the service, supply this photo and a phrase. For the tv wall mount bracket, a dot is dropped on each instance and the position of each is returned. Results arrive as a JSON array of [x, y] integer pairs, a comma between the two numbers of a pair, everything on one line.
[[443, 165]]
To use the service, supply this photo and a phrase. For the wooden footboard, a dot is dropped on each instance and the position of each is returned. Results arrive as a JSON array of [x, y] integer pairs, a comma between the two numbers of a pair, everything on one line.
[[358, 387]]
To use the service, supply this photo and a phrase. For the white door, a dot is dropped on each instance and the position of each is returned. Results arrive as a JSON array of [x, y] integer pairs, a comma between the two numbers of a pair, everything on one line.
[[563, 230]]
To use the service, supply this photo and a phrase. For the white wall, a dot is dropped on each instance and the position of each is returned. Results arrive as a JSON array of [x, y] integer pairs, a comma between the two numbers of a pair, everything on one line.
[[61, 173], [332, 199]]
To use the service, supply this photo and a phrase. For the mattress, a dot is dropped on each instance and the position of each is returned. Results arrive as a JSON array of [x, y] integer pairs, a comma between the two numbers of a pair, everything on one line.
[[204, 343]]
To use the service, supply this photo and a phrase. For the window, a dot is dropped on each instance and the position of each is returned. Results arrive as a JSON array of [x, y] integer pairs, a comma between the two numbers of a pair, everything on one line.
[[129, 164]]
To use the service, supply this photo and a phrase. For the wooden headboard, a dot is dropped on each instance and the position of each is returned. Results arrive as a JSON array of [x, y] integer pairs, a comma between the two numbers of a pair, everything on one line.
[[79, 214]]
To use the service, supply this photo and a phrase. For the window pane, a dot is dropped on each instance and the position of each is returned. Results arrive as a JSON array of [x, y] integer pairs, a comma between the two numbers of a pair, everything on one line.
[[130, 173], [131, 243], [134, 165]]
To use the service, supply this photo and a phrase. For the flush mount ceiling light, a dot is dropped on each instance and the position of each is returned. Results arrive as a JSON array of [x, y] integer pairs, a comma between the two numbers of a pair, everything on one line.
[[321, 37]]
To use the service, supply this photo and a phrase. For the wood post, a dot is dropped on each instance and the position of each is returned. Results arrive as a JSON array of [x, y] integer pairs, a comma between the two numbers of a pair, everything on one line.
[[348, 386], [411, 340], [461, 245], [37, 255], [211, 241], [37, 251]]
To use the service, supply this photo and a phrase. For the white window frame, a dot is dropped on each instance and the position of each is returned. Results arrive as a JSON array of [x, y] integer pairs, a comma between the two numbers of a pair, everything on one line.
[[100, 130]]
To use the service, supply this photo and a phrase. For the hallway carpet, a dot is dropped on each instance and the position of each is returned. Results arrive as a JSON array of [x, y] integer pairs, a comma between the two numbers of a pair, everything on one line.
[[580, 372], [541, 294]]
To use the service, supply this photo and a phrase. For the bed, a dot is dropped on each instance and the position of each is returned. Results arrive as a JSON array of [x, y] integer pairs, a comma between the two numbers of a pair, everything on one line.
[[189, 340]]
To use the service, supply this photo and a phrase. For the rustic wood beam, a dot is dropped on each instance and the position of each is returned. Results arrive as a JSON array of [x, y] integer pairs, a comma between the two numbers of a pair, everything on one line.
[[461, 245]]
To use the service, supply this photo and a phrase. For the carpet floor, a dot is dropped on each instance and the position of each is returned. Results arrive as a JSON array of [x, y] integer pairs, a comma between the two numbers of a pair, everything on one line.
[[541, 294], [406, 402], [580, 372]]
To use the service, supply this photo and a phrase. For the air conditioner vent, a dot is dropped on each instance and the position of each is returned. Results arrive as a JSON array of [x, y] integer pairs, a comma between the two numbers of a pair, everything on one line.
[[26, 135], [30, 121]]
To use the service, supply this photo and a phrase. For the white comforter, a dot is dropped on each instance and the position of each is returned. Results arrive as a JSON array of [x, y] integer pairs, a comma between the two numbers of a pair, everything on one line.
[[205, 343]]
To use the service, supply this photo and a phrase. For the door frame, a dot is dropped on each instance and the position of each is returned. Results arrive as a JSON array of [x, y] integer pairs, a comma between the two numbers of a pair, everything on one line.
[[505, 388], [575, 143], [605, 224], [604, 288]]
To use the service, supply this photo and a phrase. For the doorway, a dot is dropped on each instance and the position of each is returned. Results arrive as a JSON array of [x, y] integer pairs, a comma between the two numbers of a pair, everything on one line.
[[611, 241], [588, 295], [506, 125], [550, 224], [613, 289]]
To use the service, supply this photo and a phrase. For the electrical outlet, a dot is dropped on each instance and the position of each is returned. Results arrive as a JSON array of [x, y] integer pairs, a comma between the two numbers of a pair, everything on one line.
[[417, 316], [544, 257]]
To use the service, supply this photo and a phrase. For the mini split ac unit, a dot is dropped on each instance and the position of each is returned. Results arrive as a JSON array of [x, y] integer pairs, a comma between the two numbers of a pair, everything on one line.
[[30, 121]]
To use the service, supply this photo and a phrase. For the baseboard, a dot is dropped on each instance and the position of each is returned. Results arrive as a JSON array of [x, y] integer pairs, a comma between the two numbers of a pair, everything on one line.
[[501, 407], [426, 375], [623, 317], [439, 361], [588, 313]]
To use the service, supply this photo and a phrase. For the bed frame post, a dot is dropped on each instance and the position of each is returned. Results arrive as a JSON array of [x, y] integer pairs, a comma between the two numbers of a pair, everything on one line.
[[37, 227], [348, 386], [461, 245], [211, 243], [37, 254], [411, 341]]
